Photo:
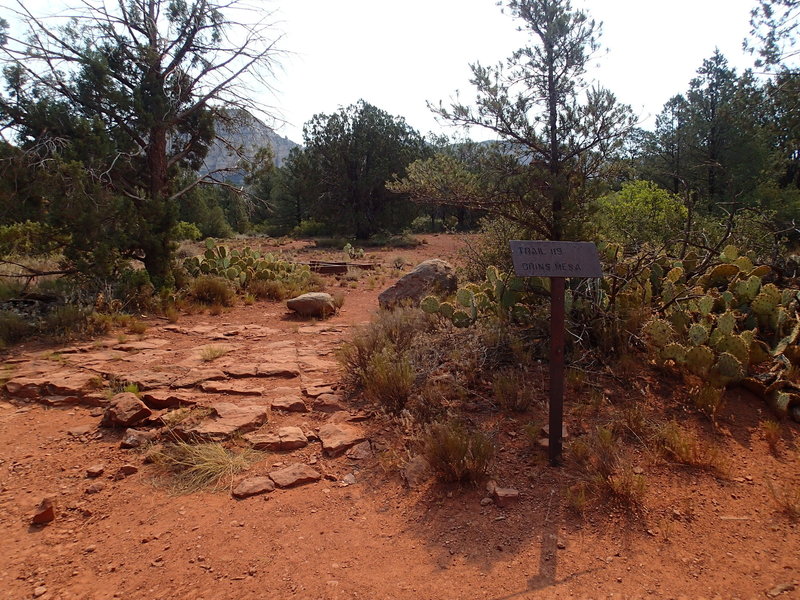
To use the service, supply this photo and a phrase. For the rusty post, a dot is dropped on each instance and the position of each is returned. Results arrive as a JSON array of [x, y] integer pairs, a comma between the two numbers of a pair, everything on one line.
[[557, 328]]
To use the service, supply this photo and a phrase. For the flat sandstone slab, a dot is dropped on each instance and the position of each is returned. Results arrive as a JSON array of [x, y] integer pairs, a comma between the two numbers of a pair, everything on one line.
[[293, 475]]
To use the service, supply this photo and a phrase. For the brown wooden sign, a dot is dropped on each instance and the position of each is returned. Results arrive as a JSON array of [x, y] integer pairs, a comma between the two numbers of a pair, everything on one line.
[[556, 260]]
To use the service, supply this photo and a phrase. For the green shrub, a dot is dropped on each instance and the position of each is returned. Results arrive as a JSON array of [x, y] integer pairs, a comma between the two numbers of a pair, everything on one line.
[[186, 231], [491, 247], [211, 291], [640, 212], [13, 328], [456, 453], [310, 228]]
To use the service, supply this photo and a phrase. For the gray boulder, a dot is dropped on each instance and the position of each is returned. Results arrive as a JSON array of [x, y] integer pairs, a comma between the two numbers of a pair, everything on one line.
[[431, 277], [313, 304]]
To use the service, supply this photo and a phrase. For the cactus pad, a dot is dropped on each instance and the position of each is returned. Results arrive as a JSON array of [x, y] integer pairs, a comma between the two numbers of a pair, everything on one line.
[[729, 367], [726, 322], [699, 360], [722, 274], [659, 332], [674, 352], [698, 334], [430, 305]]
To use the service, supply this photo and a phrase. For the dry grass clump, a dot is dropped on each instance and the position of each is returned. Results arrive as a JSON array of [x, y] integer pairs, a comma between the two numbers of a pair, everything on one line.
[[212, 291], [388, 379], [684, 447], [210, 353], [510, 390], [604, 472], [456, 453], [772, 434], [398, 329], [788, 500], [194, 467], [185, 415], [137, 327]]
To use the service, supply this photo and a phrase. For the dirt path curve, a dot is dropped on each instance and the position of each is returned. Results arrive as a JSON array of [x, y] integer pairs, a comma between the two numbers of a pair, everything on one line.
[[357, 532]]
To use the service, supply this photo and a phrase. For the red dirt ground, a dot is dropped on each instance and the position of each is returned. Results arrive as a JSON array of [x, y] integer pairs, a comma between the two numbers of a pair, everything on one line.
[[700, 535]]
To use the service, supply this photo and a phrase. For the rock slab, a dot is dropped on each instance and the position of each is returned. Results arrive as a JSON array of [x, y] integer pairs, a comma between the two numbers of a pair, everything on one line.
[[293, 475], [338, 437], [287, 438], [231, 419], [252, 486]]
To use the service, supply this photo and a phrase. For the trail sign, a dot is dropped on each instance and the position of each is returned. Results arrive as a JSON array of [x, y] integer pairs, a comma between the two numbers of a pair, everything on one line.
[[556, 260]]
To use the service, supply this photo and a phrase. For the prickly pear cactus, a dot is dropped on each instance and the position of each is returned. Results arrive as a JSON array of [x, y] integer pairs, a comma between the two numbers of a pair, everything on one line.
[[722, 323]]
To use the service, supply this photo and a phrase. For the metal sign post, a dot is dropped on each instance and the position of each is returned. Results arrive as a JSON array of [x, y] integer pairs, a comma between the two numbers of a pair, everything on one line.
[[556, 260]]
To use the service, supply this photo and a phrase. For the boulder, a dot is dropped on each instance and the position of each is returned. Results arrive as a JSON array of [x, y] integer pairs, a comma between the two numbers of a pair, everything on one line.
[[313, 304], [125, 410], [431, 277]]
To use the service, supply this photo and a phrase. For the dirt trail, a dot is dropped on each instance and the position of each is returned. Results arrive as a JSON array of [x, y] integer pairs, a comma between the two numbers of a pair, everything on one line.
[[375, 539]]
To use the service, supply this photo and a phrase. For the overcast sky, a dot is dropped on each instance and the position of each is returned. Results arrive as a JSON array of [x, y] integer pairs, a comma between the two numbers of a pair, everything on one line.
[[399, 54]]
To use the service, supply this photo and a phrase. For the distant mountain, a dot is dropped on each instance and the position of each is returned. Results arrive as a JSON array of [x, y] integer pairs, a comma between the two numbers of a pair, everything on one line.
[[247, 132]]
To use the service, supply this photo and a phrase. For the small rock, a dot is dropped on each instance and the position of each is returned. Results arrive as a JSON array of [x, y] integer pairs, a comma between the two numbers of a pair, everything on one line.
[[564, 431], [125, 410], [328, 403], [136, 438], [95, 488], [289, 404], [362, 451], [45, 512], [80, 430], [294, 474], [416, 471], [95, 471], [486, 501], [39, 591], [491, 486], [781, 589], [252, 486], [349, 479], [638, 470], [292, 438], [505, 496], [125, 471], [338, 437]]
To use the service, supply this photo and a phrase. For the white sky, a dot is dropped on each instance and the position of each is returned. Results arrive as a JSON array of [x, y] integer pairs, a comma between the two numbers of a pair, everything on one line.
[[399, 54]]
